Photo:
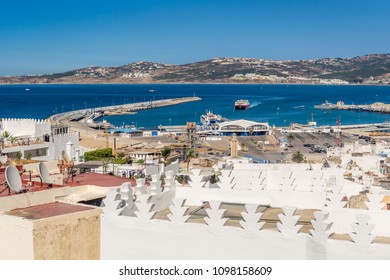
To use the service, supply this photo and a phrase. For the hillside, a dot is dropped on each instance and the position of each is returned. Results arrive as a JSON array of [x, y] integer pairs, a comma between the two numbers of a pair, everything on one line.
[[367, 69]]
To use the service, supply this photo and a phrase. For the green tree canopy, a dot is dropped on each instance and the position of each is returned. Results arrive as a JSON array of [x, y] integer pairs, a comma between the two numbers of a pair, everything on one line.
[[298, 157], [166, 152]]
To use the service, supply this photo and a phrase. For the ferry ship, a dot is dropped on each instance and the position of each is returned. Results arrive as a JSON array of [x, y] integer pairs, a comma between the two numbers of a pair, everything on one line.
[[210, 120], [241, 104]]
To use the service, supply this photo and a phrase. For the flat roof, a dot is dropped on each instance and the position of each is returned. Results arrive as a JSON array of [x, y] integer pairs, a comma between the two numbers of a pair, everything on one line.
[[96, 179], [47, 210]]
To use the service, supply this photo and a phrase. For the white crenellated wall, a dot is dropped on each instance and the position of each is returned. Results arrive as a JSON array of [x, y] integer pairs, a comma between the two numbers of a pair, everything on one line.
[[342, 218], [273, 198], [26, 127], [158, 239]]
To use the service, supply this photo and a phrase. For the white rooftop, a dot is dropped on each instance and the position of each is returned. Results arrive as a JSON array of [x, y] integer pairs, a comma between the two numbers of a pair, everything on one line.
[[242, 123]]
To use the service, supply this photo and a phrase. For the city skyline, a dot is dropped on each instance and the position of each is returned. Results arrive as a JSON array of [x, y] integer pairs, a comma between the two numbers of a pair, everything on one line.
[[45, 37]]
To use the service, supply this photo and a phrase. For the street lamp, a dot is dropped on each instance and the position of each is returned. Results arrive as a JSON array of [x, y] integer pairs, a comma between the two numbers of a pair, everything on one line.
[[250, 139]]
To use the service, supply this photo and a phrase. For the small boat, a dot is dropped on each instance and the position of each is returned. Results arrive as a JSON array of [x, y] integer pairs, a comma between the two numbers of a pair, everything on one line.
[[241, 104], [27, 89], [152, 90]]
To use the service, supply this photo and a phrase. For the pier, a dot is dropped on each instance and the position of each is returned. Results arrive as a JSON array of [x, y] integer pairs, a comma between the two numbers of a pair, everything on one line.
[[90, 115], [377, 107]]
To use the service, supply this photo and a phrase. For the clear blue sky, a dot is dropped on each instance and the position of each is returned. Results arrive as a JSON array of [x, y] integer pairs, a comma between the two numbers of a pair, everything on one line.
[[54, 36]]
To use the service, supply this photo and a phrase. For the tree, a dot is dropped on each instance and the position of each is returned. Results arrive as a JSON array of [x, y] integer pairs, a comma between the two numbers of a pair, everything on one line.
[[166, 152], [290, 138], [297, 157], [190, 154]]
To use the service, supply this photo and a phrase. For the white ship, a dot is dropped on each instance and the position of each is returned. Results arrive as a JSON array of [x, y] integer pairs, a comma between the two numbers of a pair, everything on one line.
[[210, 121]]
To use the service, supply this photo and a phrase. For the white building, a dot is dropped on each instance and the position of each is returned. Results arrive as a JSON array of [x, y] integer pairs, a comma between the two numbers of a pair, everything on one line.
[[37, 139], [243, 128]]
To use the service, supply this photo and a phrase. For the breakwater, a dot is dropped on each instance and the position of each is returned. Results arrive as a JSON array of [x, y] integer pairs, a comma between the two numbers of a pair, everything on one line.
[[91, 114], [377, 107]]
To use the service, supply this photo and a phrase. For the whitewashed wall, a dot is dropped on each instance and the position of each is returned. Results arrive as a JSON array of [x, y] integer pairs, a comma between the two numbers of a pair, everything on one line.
[[16, 238], [342, 219], [60, 142], [157, 239], [303, 200], [164, 240], [26, 127]]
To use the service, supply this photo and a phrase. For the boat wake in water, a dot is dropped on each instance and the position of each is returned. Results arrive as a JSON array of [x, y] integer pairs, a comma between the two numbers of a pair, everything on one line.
[[254, 104]]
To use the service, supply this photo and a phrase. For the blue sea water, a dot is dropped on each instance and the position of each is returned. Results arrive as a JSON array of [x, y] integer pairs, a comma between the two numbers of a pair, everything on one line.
[[277, 104]]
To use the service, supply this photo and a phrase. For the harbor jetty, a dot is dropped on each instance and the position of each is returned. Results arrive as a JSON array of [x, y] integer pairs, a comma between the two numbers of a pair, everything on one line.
[[90, 115], [377, 107]]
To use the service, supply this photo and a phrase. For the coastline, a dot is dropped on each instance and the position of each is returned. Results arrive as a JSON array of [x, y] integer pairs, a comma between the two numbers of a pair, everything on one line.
[[191, 83]]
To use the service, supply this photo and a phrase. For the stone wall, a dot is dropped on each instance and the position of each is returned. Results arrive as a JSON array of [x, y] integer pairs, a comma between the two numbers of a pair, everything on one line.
[[73, 236]]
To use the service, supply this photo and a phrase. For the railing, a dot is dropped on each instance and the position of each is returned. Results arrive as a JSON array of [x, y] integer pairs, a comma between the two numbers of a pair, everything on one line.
[[24, 141]]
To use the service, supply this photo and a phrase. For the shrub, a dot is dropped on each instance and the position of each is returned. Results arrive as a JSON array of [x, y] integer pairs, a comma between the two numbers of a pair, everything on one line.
[[98, 154], [297, 157], [28, 156], [19, 155]]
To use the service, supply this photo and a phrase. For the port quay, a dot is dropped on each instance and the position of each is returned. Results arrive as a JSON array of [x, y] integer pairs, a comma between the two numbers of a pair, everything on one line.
[[93, 114]]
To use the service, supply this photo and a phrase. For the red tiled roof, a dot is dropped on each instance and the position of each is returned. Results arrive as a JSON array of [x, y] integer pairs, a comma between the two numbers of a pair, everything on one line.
[[47, 210], [101, 180]]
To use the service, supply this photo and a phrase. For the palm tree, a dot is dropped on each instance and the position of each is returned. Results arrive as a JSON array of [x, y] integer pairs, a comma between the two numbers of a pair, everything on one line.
[[297, 157], [190, 154], [165, 153], [6, 135], [12, 139], [290, 138]]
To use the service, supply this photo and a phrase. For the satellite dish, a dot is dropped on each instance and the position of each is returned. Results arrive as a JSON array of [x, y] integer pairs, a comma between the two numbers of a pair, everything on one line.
[[44, 173], [13, 179]]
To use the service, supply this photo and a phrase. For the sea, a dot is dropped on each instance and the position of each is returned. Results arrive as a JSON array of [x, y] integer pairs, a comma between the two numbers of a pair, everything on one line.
[[278, 105]]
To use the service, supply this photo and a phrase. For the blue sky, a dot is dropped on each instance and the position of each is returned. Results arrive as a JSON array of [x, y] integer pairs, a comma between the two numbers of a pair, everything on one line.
[[54, 36]]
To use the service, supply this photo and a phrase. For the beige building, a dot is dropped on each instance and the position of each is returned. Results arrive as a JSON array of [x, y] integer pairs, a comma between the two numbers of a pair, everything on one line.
[[50, 231]]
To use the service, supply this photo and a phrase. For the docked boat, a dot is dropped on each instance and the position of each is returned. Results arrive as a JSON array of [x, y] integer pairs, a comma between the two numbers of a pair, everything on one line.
[[210, 121], [326, 106], [241, 104]]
